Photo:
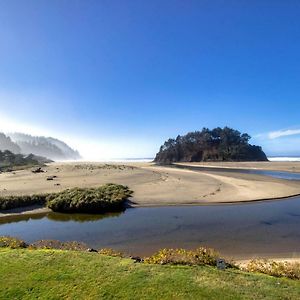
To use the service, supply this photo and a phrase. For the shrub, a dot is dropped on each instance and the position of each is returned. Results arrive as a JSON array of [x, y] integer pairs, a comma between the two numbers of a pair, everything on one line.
[[109, 197], [199, 256], [11, 202], [273, 268], [14, 243], [54, 244], [110, 252]]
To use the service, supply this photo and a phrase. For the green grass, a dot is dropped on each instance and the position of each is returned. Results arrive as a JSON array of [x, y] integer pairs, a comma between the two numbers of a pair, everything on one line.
[[54, 274]]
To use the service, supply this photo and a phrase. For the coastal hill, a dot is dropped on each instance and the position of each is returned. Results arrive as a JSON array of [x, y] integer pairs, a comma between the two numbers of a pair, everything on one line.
[[7, 144], [218, 144], [38, 145]]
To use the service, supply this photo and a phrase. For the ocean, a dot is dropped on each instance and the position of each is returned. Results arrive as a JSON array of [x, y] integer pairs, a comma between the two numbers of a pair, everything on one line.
[[284, 158]]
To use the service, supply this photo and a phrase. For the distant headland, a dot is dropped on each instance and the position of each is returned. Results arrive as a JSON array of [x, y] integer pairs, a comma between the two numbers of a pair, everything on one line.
[[218, 144], [26, 144]]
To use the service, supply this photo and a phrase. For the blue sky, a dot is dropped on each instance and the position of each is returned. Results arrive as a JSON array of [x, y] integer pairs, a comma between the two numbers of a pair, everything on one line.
[[117, 78]]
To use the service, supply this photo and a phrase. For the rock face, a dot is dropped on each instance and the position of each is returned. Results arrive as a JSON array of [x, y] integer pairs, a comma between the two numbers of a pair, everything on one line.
[[219, 144]]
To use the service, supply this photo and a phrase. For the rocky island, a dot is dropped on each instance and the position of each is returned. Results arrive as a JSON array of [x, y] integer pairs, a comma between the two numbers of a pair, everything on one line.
[[218, 144]]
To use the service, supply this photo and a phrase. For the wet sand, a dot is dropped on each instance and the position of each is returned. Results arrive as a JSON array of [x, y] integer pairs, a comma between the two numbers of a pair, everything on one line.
[[289, 166]]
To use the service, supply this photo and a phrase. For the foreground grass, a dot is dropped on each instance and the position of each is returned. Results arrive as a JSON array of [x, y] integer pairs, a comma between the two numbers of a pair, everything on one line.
[[54, 274]]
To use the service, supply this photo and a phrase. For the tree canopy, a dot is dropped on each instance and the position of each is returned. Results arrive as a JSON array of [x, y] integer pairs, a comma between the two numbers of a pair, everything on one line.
[[218, 144]]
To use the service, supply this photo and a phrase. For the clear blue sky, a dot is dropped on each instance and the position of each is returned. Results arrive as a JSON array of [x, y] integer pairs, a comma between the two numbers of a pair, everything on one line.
[[119, 77]]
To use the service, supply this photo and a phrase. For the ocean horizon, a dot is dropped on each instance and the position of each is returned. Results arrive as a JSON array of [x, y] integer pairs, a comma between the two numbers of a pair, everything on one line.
[[284, 158], [148, 159]]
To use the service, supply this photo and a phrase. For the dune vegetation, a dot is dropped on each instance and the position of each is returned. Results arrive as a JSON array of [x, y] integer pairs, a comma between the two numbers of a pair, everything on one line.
[[109, 197], [11, 202], [106, 198], [274, 268], [199, 256]]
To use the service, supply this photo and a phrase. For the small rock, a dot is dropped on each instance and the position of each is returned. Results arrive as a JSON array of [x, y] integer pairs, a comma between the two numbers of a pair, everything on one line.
[[38, 170], [221, 264], [91, 250], [136, 259]]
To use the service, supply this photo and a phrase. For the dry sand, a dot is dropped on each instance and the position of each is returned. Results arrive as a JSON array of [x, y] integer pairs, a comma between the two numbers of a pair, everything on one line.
[[157, 185]]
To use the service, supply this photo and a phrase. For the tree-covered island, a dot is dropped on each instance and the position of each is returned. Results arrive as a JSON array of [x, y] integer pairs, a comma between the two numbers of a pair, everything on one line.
[[218, 144]]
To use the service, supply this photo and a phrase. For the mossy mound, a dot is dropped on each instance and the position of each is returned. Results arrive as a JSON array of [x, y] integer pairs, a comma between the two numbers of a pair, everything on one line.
[[11, 202], [109, 197]]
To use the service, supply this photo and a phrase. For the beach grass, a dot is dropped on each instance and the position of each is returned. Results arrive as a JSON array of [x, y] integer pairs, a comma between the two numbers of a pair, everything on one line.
[[105, 198], [56, 274]]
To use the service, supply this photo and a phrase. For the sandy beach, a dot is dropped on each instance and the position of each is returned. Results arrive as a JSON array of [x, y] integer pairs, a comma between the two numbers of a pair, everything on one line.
[[159, 185]]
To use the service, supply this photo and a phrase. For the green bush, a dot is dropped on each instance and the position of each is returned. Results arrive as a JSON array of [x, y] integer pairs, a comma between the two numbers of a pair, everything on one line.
[[11, 242], [111, 252], [109, 197], [10, 202], [273, 268], [199, 256]]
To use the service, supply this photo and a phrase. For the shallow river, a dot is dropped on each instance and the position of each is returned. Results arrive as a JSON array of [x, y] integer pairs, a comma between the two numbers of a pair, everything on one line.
[[240, 230], [275, 174]]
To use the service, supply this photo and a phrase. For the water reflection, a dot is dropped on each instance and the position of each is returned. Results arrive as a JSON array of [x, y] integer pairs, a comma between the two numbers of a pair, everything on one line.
[[81, 217], [20, 218], [60, 217]]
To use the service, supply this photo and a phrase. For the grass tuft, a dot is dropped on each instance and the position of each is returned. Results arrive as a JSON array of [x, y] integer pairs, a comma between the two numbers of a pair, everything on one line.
[[274, 268], [199, 256], [54, 244], [11, 242], [111, 252]]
